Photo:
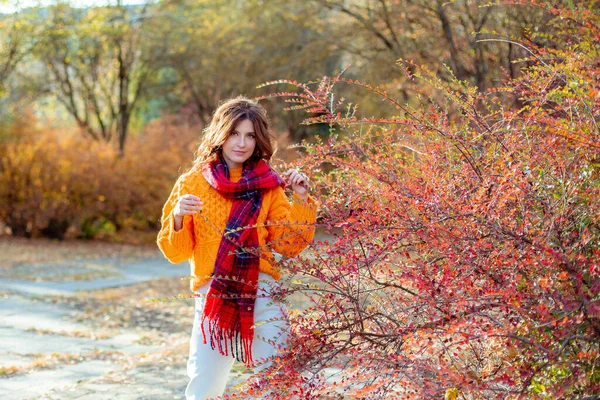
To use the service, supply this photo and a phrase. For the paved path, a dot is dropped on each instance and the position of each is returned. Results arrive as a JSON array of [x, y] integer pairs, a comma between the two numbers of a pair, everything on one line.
[[34, 331], [67, 357], [112, 273]]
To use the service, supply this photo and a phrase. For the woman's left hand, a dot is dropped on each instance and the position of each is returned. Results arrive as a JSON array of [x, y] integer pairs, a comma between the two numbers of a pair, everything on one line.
[[299, 182]]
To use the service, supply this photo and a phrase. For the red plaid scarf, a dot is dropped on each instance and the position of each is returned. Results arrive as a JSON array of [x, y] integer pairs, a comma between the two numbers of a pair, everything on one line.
[[229, 305]]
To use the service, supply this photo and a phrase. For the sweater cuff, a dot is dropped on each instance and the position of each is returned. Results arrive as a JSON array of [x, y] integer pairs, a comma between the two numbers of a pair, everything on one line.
[[182, 238], [304, 210]]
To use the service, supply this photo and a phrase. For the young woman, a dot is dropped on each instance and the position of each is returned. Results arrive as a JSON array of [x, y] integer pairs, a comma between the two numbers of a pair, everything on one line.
[[224, 216]]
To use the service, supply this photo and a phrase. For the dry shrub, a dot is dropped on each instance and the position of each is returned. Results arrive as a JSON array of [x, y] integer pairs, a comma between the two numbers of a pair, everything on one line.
[[59, 183]]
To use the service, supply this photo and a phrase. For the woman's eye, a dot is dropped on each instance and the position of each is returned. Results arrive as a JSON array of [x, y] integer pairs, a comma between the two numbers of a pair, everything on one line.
[[234, 133]]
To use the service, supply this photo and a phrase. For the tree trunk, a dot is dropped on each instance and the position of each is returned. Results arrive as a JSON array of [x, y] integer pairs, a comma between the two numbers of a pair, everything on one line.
[[123, 111]]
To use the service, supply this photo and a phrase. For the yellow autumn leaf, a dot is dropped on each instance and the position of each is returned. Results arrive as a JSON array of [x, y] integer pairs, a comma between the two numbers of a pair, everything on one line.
[[451, 394]]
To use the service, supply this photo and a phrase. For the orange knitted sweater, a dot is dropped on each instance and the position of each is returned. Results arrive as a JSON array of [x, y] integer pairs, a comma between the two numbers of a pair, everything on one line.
[[285, 227]]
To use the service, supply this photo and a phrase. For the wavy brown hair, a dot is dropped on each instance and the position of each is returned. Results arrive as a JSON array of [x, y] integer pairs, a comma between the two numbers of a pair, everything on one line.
[[224, 120]]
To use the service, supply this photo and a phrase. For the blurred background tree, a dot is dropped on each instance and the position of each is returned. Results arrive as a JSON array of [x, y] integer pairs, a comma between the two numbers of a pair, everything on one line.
[[97, 66]]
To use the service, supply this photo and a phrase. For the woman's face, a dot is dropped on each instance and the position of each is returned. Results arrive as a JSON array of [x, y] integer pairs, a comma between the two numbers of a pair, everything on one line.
[[240, 144]]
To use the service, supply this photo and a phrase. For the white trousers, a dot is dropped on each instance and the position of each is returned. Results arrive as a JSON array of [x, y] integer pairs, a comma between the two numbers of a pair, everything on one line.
[[207, 369]]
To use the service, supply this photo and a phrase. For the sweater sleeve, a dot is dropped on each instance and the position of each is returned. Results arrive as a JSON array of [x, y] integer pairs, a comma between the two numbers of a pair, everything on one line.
[[177, 246], [291, 227]]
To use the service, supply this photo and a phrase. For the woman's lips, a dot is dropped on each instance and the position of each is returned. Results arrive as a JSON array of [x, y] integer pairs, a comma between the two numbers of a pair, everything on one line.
[[240, 153]]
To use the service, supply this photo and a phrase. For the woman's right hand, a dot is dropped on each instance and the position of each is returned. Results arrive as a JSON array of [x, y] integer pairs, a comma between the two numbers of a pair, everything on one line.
[[187, 204]]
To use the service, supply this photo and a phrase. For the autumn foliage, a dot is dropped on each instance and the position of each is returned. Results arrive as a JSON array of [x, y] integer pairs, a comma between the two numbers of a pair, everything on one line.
[[466, 252], [57, 183]]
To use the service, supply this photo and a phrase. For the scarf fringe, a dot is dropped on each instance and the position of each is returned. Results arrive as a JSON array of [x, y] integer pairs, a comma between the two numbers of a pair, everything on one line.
[[228, 341]]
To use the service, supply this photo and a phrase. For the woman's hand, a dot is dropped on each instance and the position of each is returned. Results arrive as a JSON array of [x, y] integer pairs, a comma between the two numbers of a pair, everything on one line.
[[187, 204], [298, 181]]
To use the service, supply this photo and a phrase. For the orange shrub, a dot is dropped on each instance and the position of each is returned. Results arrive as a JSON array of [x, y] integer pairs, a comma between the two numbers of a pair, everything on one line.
[[58, 183]]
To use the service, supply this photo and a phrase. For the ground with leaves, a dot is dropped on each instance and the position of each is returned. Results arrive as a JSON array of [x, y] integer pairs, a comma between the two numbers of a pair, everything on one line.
[[104, 343]]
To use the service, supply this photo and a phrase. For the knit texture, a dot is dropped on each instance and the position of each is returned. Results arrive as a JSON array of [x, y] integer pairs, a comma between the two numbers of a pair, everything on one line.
[[284, 226]]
